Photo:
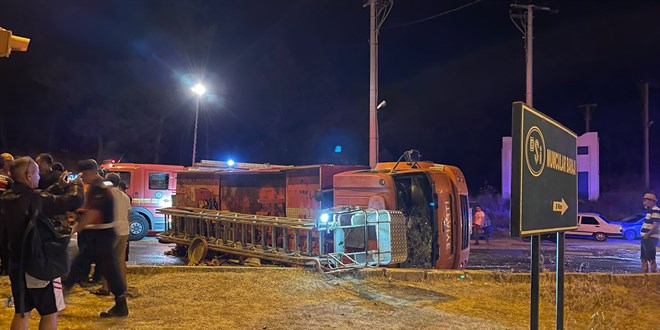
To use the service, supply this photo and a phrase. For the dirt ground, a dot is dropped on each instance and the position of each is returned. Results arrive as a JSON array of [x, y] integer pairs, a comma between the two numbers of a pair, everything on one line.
[[300, 299]]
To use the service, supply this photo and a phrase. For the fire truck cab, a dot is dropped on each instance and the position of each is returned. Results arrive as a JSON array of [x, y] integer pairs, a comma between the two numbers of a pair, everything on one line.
[[150, 187], [433, 198]]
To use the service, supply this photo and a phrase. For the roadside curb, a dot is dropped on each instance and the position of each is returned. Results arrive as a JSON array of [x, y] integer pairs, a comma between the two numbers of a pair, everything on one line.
[[504, 277], [399, 274], [144, 270]]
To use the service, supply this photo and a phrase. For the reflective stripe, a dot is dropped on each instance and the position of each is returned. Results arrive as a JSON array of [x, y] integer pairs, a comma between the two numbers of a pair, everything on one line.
[[101, 226], [59, 296]]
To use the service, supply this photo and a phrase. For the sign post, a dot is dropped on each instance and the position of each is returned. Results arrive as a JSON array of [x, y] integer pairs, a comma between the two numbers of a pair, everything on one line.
[[543, 191]]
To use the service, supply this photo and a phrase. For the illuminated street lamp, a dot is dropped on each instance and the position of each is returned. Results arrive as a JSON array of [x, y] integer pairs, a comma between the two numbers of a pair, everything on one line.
[[198, 89]]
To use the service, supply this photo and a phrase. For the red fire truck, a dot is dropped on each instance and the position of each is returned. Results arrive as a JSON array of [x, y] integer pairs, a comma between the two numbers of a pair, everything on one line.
[[150, 187]]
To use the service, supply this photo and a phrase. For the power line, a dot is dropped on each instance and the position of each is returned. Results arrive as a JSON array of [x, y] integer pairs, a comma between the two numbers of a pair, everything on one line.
[[436, 15]]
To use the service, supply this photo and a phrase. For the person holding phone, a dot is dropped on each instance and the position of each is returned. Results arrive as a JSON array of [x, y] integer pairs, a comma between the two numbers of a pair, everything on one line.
[[48, 176]]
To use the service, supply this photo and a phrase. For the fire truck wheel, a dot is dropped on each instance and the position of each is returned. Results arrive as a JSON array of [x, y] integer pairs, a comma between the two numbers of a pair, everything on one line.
[[138, 227]]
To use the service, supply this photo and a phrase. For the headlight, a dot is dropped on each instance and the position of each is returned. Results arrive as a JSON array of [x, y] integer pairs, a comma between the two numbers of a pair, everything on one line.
[[324, 218]]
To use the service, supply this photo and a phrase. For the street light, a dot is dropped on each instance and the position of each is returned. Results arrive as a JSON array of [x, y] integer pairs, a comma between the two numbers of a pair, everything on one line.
[[198, 89]]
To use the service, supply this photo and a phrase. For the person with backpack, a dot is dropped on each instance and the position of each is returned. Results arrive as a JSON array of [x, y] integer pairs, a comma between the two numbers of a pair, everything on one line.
[[37, 244]]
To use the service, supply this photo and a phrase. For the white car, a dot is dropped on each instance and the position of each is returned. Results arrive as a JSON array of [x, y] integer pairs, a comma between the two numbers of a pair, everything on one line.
[[593, 224]]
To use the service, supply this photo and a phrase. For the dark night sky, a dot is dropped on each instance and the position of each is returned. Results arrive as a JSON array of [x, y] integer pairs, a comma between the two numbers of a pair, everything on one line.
[[289, 80]]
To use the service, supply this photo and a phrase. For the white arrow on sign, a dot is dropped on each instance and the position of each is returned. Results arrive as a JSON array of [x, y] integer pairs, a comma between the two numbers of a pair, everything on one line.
[[560, 206]]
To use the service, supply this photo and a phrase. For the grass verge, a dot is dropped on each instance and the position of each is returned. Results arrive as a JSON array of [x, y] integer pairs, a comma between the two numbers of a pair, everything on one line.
[[299, 299]]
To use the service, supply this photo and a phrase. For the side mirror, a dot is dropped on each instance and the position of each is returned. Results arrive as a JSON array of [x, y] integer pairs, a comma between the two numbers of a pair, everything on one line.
[[412, 156]]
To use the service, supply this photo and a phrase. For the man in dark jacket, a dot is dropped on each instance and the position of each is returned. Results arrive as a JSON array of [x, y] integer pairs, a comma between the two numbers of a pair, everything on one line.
[[15, 205], [48, 176], [97, 219]]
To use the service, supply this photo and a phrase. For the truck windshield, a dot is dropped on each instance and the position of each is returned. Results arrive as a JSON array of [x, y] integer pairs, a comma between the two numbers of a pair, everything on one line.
[[126, 177]]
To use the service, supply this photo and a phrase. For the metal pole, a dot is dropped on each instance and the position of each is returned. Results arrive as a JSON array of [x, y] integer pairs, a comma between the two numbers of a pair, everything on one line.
[[529, 38], [195, 135], [373, 87], [536, 239], [536, 270], [587, 115], [588, 119], [560, 280], [206, 131], [645, 92]]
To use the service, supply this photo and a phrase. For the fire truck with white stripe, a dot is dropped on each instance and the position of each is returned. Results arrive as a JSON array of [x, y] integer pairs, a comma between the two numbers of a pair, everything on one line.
[[150, 187]]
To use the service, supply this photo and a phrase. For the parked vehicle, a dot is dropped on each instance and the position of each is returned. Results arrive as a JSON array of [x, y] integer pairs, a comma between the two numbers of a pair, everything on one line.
[[631, 226], [150, 186], [593, 224]]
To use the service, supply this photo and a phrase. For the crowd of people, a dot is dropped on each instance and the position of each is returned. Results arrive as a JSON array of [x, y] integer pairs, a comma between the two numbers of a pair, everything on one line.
[[41, 206]]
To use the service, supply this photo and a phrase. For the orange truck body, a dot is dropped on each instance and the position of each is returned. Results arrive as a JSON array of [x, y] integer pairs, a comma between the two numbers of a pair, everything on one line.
[[304, 192]]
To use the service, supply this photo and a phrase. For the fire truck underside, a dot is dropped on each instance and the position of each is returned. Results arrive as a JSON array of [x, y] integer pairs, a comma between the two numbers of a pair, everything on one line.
[[341, 238]]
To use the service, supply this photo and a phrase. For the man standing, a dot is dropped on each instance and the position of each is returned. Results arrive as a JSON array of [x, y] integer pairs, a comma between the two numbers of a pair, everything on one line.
[[96, 217], [122, 210], [650, 233], [17, 207], [48, 176], [479, 216]]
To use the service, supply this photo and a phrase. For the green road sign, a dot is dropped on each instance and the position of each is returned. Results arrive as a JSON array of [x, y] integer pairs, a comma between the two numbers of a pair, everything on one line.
[[544, 177]]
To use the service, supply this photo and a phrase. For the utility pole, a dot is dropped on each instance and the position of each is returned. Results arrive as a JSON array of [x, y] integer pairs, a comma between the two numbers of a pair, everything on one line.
[[528, 33], [587, 114], [379, 9], [373, 86], [645, 97], [529, 46]]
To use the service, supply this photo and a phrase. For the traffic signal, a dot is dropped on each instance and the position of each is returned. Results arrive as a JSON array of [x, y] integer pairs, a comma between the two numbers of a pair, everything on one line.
[[9, 43]]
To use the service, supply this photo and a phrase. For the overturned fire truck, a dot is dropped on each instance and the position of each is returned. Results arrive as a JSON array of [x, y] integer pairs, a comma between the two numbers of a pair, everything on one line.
[[408, 213]]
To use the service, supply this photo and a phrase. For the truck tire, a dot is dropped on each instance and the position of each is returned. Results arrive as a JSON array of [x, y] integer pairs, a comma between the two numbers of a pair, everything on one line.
[[138, 227]]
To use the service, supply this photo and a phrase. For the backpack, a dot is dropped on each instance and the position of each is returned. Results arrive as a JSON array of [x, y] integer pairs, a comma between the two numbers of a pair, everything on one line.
[[44, 254]]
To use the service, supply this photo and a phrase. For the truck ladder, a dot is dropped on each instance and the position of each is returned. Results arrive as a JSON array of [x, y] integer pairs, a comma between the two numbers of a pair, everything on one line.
[[342, 238]]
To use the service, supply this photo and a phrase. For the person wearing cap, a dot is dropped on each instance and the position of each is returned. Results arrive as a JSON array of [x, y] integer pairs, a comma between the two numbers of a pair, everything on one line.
[[5, 170], [650, 233], [97, 218], [122, 210]]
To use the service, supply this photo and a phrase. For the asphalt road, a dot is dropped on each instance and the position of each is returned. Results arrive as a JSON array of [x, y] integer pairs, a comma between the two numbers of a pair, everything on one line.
[[146, 252], [504, 254], [581, 254]]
